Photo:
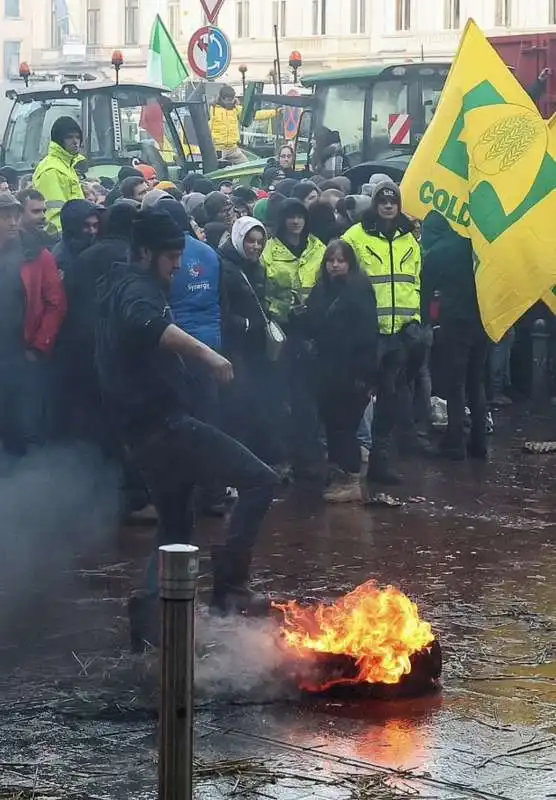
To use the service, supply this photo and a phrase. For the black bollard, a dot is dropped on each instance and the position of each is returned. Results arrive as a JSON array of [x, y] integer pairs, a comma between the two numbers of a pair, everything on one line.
[[178, 570], [539, 377]]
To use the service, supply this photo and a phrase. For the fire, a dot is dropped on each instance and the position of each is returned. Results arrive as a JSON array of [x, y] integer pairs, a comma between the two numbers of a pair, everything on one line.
[[379, 629]]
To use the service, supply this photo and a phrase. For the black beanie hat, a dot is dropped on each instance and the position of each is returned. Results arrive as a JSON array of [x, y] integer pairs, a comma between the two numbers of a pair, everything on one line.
[[63, 127], [128, 172], [157, 231]]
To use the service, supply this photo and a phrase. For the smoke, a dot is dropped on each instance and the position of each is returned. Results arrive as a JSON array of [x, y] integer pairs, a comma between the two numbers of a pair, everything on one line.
[[54, 504], [239, 656]]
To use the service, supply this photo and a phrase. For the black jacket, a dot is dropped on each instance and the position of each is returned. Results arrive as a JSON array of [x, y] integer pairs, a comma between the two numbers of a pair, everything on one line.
[[341, 319], [244, 330], [448, 267], [142, 384]]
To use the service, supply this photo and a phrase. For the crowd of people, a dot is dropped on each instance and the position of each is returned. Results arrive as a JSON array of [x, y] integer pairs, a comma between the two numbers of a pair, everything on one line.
[[213, 336]]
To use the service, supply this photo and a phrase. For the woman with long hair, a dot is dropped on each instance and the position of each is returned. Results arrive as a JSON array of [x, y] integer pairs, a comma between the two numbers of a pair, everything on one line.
[[341, 321]]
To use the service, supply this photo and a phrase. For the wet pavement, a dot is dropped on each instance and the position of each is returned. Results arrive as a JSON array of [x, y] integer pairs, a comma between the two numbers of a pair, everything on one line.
[[474, 545]]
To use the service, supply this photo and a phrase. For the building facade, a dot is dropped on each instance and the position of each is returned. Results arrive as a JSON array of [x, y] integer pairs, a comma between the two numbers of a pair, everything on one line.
[[16, 36], [81, 34]]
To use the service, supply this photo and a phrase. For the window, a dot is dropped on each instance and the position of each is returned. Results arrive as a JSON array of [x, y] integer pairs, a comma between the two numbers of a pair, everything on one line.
[[319, 17], [552, 12], [403, 15], [451, 13], [343, 110], [93, 21], [11, 8], [279, 16], [358, 16], [12, 52], [28, 132], [503, 13], [131, 33], [242, 19], [59, 23], [174, 19]]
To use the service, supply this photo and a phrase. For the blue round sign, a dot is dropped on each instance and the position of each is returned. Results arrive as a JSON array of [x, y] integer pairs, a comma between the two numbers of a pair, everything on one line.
[[210, 52]]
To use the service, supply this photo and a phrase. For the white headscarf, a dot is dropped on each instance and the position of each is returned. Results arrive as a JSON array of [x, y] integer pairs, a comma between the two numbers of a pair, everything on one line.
[[240, 229]]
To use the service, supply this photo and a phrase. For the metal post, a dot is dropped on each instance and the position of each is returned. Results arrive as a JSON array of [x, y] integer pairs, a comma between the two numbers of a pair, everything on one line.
[[539, 378], [178, 568], [278, 65]]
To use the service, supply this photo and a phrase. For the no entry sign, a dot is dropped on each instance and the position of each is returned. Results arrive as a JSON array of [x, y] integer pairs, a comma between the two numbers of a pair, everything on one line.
[[212, 9], [209, 52]]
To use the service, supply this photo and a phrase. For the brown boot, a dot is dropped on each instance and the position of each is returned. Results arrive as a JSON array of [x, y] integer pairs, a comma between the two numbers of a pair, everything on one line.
[[344, 489]]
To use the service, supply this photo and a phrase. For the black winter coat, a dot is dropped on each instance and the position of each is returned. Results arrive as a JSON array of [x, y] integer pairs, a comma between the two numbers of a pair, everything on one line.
[[244, 331], [341, 319]]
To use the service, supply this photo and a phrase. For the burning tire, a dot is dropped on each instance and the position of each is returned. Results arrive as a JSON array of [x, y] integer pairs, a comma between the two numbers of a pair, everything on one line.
[[370, 643]]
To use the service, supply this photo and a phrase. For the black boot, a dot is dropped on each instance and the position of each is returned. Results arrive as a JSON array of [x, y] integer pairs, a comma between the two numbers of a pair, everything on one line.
[[380, 469], [143, 610], [231, 593]]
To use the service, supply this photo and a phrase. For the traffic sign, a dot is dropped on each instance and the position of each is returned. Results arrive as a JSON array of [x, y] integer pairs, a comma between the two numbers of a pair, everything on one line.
[[212, 9], [209, 52], [292, 117], [399, 129]]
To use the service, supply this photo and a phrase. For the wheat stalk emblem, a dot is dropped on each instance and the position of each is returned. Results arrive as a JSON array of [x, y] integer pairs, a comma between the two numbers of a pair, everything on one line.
[[510, 139]]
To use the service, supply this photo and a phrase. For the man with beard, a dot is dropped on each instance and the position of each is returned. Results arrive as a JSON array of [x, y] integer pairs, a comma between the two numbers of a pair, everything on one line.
[[32, 307], [33, 217], [149, 394]]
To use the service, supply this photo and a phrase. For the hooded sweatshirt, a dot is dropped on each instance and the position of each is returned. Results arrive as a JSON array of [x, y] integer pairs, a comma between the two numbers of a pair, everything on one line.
[[74, 241], [244, 283], [56, 176], [291, 270]]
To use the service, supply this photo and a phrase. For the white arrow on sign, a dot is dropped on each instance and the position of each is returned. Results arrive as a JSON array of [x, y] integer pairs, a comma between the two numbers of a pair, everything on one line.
[[212, 9]]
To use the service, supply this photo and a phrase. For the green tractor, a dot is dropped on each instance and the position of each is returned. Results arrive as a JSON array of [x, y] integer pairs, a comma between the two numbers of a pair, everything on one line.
[[380, 112], [123, 123]]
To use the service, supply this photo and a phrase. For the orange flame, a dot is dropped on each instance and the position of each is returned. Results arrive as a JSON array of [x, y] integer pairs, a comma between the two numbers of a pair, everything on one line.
[[379, 629]]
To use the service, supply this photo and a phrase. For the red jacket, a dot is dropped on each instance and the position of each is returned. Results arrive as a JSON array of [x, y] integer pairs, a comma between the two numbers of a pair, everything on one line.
[[45, 300]]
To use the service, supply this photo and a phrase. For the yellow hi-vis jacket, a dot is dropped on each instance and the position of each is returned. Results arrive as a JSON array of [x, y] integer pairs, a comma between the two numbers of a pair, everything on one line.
[[224, 125], [57, 180], [290, 278], [394, 267]]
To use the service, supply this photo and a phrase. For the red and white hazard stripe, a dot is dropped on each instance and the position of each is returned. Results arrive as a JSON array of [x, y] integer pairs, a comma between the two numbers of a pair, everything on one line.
[[399, 129]]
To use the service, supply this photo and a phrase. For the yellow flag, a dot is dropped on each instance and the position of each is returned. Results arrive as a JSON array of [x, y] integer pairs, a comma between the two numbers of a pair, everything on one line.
[[487, 163], [550, 297]]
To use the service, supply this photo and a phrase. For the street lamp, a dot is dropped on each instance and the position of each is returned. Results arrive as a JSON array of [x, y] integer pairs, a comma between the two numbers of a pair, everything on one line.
[[117, 61], [243, 70], [296, 62]]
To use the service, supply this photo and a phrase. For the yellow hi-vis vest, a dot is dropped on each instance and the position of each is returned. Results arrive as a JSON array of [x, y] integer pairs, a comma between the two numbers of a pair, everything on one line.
[[394, 267], [57, 180], [290, 279]]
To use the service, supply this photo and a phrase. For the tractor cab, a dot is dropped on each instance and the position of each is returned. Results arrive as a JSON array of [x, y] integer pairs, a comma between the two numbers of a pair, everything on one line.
[[380, 113], [122, 123]]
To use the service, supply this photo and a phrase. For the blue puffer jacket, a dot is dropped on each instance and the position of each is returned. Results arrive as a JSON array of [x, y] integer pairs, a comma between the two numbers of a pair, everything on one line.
[[195, 296]]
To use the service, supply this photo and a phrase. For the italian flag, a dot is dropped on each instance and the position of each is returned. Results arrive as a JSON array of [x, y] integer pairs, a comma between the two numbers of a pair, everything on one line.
[[165, 65]]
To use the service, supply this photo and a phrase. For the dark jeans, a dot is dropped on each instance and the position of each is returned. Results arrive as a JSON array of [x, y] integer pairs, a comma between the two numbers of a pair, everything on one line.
[[341, 412], [248, 408], [306, 450], [186, 452], [24, 395], [207, 409], [465, 349], [399, 363]]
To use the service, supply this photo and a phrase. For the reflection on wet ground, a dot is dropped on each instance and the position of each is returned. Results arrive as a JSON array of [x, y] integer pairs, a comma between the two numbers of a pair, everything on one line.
[[474, 546]]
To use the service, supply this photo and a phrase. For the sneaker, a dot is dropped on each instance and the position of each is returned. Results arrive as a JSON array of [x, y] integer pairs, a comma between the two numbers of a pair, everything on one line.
[[344, 490]]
